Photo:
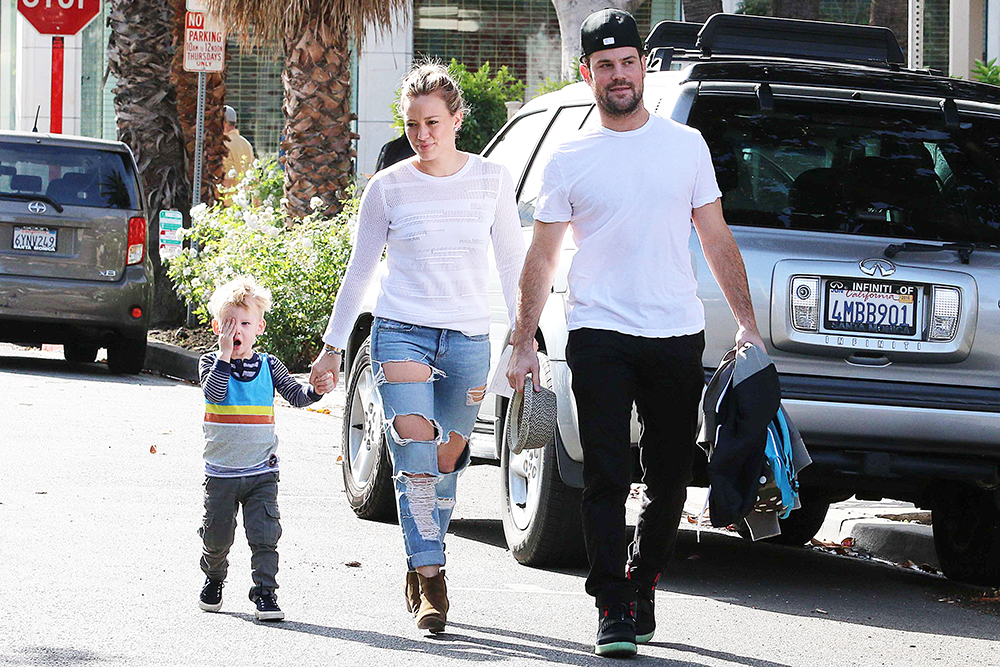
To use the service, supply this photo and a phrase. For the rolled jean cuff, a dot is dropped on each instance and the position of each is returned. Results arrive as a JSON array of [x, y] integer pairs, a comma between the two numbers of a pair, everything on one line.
[[425, 558]]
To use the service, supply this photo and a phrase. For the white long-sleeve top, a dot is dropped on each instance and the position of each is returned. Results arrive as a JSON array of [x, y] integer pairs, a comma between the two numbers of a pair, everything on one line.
[[437, 229]]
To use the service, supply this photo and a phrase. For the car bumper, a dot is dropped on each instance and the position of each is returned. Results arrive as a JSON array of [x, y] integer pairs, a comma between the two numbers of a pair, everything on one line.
[[57, 310]]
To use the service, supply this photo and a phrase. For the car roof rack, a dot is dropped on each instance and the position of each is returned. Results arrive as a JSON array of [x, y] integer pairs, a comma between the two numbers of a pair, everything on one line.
[[764, 36]]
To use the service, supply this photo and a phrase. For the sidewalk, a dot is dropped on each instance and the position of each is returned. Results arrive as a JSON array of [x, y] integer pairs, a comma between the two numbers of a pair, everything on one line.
[[891, 539]]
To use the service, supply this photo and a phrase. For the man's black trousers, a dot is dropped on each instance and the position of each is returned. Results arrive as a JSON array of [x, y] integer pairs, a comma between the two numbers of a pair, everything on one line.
[[664, 378]]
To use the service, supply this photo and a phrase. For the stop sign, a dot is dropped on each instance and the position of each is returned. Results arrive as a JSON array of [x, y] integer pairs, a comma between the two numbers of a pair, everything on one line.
[[59, 17]]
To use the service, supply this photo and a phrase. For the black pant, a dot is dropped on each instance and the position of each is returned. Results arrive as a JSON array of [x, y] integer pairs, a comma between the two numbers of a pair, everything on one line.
[[664, 378]]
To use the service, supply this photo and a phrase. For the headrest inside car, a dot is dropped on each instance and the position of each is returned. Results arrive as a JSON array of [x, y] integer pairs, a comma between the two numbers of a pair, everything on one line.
[[25, 183]]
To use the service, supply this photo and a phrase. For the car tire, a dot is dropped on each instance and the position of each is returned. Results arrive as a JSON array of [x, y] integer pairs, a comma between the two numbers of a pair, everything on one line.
[[966, 522], [126, 356], [79, 353], [366, 463], [541, 514], [802, 524]]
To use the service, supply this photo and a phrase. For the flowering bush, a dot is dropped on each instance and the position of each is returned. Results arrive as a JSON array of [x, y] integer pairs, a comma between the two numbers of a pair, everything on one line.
[[302, 261]]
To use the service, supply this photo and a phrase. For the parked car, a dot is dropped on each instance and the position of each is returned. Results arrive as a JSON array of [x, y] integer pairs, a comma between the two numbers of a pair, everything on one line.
[[865, 198], [74, 266]]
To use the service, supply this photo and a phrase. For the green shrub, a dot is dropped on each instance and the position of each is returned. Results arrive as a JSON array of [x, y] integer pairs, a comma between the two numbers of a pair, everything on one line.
[[988, 72], [301, 261], [552, 85], [485, 98]]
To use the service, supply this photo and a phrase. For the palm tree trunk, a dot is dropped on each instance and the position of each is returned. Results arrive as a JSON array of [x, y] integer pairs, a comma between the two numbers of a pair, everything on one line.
[[796, 9], [186, 85], [895, 15], [318, 139], [139, 54], [571, 14]]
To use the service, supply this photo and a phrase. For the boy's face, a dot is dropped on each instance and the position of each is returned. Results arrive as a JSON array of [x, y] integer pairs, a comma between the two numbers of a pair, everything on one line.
[[249, 323]]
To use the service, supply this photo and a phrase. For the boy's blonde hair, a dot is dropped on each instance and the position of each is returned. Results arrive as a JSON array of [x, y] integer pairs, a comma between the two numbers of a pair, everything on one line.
[[240, 291]]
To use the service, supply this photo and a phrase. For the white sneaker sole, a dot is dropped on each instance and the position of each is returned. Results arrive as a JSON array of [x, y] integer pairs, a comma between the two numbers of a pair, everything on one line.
[[270, 615], [209, 607]]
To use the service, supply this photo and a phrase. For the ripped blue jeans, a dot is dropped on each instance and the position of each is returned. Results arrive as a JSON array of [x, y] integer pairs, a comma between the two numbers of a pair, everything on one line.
[[449, 400]]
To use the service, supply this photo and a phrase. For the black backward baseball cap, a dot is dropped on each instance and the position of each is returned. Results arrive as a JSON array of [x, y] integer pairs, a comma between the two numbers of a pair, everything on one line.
[[609, 29]]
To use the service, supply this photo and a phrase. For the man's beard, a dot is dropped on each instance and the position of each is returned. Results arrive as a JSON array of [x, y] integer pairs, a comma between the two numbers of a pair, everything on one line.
[[619, 108]]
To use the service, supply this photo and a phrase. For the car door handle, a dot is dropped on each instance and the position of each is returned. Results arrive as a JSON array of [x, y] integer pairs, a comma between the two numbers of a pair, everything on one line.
[[866, 359]]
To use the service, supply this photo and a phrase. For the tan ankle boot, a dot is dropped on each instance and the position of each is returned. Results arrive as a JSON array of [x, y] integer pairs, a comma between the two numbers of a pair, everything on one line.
[[412, 592], [433, 612]]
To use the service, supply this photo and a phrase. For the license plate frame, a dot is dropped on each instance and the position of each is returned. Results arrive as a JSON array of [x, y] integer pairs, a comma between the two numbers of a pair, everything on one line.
[[35, 239], [871, 307]]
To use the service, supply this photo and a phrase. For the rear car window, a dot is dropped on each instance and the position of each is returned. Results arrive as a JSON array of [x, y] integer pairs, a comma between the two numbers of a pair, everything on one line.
[[854, 169], [68, 175]]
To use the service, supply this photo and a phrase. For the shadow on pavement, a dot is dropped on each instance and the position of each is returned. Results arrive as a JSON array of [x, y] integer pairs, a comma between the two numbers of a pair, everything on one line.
[[502, 645], [484, 531], [94, 372]]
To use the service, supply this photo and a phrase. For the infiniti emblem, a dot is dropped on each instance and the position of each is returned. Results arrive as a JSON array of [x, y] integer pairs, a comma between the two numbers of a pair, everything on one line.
[[877, 265], [37, 207]]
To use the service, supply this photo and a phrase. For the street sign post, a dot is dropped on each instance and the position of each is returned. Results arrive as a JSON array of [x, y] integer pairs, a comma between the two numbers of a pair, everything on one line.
[[58, 18]]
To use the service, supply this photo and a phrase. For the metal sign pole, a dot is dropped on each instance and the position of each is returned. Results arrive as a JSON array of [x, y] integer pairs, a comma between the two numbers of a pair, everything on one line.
[[199, 148]]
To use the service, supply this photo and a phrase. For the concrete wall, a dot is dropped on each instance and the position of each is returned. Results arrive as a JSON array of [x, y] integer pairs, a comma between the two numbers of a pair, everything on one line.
[[965, 35], [385, 59], [33, 84]]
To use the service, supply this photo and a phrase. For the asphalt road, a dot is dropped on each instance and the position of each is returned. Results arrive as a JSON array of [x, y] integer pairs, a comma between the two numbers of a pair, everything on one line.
[[102, 558]]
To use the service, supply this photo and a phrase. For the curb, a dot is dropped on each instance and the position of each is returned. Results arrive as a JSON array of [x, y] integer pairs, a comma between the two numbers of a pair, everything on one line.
[[172, 361], [895, 541]]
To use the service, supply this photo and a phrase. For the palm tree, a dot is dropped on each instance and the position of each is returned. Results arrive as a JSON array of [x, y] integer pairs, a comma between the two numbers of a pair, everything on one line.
[[186, 85], [893, 14], [698, 11], [571, 14], [316, 38], [139, 54]]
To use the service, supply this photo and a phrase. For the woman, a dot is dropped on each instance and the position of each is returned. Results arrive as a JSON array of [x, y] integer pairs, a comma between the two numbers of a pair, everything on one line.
[[436, 214]]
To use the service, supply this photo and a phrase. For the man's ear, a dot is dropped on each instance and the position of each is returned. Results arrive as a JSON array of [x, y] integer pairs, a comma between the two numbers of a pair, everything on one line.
[[585, 72], [215, 326]]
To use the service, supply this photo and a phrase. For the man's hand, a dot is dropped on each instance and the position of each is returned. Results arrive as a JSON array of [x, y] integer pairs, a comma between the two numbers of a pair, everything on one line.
[[523, 362], [226, 333], [325, 383], [744, 335], [325, 364]]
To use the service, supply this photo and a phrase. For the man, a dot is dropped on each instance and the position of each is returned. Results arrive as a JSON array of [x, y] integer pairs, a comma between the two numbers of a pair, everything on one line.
[[630, 190], [240, 155]]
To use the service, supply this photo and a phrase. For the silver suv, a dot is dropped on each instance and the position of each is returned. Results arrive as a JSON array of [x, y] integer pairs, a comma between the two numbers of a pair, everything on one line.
[[74, 266], [865, 198]]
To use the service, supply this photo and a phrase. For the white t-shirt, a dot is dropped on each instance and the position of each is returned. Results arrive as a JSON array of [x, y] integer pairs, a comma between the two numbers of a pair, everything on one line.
[[628, 198], [437, 229]]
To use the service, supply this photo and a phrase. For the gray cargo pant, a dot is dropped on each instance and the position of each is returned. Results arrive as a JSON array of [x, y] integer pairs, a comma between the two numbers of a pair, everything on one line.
[[259, 496]]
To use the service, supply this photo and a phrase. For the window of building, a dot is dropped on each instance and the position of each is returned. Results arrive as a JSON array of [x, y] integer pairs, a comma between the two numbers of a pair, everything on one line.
[[97, 97]]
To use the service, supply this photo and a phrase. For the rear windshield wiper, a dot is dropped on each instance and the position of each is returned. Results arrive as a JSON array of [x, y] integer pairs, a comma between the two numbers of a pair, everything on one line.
[[20, 196], [964, 249]]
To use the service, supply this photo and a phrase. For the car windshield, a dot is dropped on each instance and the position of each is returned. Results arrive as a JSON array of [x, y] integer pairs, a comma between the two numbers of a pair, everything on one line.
[[67, 175], [854, 169]]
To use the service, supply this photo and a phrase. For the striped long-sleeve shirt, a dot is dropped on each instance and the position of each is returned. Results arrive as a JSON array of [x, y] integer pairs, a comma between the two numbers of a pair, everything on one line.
[[215, 375]]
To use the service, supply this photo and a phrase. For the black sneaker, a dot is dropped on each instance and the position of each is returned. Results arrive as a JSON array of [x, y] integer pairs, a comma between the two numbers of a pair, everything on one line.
[[616, 631], [211, 595], [645, 616], [267, 606]]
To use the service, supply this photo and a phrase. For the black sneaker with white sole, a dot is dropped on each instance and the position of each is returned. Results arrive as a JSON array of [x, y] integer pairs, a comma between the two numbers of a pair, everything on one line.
[[211, 595], [645, 608], [616, 631], [267, 606]]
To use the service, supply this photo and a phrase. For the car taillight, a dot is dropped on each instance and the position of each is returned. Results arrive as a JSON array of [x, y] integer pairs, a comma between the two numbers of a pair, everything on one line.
[[136, 240], [805, 303], [945, 302]]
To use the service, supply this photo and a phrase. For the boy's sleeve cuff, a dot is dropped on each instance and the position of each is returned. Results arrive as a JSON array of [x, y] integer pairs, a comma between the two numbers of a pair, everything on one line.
[[223, 365]]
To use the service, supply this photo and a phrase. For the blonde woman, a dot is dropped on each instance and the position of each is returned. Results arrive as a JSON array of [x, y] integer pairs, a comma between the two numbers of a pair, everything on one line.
[[435, 215]]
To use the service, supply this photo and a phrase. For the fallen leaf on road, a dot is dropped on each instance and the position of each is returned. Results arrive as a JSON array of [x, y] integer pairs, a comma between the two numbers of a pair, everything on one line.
[[322, 411], [41, 493], [152, 449], [847, 542], [340, 460], [352, 563]]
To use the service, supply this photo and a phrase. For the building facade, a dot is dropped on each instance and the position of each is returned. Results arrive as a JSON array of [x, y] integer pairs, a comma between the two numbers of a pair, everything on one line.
[[946, 35]]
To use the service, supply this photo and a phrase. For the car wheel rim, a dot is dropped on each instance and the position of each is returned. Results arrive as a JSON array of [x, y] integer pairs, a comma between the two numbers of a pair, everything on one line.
[[524, 474], [365, 438]]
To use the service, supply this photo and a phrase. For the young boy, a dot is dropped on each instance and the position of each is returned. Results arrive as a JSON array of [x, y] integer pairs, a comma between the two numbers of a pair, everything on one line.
[[241, 466]]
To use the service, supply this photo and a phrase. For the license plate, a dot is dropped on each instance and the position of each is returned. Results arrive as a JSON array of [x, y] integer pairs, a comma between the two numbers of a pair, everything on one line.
[[35, 238], [871, 307]]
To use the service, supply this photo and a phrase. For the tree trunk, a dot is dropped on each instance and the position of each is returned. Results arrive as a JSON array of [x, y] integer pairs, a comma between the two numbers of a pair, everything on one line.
[[186, 85], [796, 9], [571, 14], [895, 15], [318, 134], [139, 54], [698, 11]]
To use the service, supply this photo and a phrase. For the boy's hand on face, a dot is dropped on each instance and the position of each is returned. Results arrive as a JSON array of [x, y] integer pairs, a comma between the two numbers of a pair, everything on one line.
[[226, 333], [325, 383]]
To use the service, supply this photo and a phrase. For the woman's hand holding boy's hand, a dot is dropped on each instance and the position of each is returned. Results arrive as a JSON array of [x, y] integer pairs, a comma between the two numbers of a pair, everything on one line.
[[325, 383], [226, 333], [325, 365]]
